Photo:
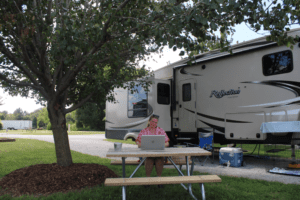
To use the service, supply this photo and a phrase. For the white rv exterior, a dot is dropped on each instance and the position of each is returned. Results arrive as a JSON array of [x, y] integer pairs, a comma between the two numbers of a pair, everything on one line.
[[229, 95], [17, 124]]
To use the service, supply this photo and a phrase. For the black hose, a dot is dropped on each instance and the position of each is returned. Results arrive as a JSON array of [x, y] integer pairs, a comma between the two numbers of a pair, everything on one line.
[[251, 153]]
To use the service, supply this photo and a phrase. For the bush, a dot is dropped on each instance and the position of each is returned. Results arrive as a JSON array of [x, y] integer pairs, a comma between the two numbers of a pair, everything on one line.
[[73, 127], [49, 127], [1, 125]]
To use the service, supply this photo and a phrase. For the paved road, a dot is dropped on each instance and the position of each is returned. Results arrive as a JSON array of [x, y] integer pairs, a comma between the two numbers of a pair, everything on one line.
[[87, 144], [94, 145]]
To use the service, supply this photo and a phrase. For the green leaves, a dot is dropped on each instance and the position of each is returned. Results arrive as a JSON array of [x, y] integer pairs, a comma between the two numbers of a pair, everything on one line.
[[213, 26]]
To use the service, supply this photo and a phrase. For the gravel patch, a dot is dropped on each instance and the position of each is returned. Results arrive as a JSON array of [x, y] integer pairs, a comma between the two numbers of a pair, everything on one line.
[[254, 169]]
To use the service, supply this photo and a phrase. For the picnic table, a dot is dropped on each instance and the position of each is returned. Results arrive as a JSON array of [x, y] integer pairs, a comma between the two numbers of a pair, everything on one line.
[[168, 152]]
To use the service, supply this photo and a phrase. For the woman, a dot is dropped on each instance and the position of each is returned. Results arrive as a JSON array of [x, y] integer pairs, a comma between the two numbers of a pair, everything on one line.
[[152, 129]]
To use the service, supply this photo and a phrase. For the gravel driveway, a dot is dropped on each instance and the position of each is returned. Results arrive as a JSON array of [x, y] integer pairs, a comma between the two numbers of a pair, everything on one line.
[[94, 145]]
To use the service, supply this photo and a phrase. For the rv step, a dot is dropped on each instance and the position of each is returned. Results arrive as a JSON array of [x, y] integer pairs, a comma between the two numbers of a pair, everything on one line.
[[185, 138]]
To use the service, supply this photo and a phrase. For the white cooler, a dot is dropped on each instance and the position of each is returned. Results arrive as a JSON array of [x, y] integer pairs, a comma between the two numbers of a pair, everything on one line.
[[233, 155]]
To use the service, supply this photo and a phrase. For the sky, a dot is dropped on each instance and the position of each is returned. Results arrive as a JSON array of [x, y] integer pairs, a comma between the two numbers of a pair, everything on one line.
[[243, 33]]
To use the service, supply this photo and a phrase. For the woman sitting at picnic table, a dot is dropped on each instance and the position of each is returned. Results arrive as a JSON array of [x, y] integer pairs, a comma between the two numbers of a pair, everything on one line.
[[152, 129]]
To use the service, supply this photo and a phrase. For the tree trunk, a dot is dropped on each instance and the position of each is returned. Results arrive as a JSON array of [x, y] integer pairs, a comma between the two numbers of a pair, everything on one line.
[[60, 134]]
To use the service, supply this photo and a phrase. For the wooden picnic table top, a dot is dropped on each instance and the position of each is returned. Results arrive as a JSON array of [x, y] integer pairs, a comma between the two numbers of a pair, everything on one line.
[[171, 151]]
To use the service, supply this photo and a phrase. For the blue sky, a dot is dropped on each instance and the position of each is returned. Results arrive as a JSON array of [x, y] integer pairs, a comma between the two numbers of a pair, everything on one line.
[[243, 33]]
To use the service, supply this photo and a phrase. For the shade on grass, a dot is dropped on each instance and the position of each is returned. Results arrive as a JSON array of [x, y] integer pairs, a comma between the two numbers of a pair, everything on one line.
[[26, 152]]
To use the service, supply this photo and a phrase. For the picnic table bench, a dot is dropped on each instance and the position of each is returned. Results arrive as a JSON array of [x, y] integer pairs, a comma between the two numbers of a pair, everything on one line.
[[168, 152]]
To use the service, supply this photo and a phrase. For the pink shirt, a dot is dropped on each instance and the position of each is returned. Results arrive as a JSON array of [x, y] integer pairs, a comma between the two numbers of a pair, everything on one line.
[[146, 131]]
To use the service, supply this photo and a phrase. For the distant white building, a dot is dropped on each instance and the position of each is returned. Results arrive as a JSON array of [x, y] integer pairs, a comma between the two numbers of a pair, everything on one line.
[[16, 124]]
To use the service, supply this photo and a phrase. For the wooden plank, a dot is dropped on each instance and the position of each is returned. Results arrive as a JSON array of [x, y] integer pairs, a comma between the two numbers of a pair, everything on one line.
[[162, 180], [137, 152], [132, 162]]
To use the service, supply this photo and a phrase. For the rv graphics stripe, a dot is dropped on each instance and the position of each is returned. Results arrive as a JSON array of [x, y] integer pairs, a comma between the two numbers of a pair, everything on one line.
[[218, 128], [217, 119], [292, 103], [182, 71], [128, 126], [108, 122], [292, 86], [203, 130], [137, 123]]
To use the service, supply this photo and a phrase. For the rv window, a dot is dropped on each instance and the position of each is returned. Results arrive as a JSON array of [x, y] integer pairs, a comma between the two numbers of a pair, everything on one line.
[[137, 102], [277, 63], [163, 93], [186, 92]]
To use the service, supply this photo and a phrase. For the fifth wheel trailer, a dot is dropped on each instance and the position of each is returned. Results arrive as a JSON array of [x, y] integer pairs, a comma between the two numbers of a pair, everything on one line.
[[16, 124], [231, 95]]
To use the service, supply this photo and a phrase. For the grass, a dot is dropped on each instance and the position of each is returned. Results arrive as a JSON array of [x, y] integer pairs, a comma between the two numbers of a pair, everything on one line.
[[250, 147], [128, 141], [262, 150], [25, 152], [49, 132]]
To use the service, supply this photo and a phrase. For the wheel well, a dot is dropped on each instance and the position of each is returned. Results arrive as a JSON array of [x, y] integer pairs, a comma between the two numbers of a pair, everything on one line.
[[133, 139]]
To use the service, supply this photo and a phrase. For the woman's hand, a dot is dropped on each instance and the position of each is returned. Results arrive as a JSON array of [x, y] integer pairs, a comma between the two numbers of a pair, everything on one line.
[[167, 144], [139, 145]]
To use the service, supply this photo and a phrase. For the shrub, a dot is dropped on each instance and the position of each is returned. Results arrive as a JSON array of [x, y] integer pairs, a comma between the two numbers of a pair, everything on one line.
[[73, 127], [49, 127], [1, 125]]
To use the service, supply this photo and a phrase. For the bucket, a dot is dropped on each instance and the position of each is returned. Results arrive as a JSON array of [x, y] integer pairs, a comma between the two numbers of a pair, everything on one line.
[[118, 146]]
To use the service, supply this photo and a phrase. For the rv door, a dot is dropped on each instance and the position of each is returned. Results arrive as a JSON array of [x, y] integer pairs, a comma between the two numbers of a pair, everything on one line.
[[187, 105], [162, 103]]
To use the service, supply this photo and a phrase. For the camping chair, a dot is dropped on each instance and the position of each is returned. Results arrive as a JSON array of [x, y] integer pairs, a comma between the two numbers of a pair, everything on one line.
[[206, 140]]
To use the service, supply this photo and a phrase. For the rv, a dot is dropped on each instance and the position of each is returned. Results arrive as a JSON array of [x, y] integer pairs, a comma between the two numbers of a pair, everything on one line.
[[228, 95], [16, 124]]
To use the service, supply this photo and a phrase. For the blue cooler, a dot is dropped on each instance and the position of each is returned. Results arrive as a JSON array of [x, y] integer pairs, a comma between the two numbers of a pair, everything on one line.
[[233, 155]]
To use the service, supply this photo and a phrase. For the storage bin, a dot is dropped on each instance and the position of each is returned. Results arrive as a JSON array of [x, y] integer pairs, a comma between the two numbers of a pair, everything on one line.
[[233, 155]]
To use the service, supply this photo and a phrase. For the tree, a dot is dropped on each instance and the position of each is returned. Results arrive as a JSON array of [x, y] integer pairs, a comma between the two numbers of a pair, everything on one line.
[[34, 122], [19, 114], [43, 118], [91, 115], [69, 52], [3, 115], [71, 117], [1, 101]]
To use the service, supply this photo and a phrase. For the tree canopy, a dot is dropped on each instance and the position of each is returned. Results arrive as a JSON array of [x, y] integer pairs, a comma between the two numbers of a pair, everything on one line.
[[69, 52]]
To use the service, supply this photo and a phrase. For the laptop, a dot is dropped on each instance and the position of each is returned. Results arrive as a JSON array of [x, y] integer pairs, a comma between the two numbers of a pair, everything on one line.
[[153, 142]]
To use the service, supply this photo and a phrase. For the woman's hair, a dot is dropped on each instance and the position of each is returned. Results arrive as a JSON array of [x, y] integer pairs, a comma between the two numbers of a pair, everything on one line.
[[155, 117]]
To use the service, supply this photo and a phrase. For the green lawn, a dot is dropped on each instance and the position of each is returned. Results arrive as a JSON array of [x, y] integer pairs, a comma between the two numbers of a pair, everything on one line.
[[49, 132], [262, 149], [250, 147], [13, 156]]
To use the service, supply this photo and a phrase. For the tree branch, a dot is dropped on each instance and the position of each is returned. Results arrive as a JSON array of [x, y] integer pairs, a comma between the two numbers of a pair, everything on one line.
[[24, 84], [74, 107], [10, 68], [72, 73], [6, 52]]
